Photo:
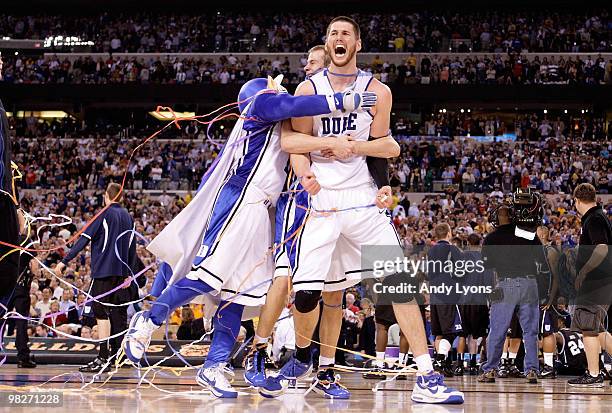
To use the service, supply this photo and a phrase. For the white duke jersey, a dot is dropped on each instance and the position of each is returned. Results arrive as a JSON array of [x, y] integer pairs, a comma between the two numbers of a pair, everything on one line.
[[261, 162], [348, 173]]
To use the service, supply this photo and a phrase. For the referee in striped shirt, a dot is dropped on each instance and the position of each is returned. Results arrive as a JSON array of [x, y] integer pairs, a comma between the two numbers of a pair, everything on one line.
[[108, 250]]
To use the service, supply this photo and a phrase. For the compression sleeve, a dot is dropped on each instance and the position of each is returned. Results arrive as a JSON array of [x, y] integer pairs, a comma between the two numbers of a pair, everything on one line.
[[379, 169]]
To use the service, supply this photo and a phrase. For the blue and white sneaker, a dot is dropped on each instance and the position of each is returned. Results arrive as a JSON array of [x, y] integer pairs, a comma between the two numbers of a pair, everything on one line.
[[255, 368], [292, 370], [138, 336], [327, 385], [213, 378], [430, 388]]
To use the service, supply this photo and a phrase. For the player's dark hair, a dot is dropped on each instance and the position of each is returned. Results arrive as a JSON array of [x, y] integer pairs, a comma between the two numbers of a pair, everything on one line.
[[348, 20]]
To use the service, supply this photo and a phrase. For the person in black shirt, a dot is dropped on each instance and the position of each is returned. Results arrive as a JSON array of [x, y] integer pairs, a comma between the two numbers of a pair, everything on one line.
[[593, 283], [517, 261], [9, 221], [112, 248]]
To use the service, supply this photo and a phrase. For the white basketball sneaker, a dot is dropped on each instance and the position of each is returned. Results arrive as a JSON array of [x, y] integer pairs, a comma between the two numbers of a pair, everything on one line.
[[430, 388], [213, 378], [138, 336]]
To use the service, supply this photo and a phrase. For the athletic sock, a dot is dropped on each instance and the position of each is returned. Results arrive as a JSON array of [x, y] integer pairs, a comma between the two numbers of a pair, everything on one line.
[[424, 364], [512, 357], [302, 354], [103, 353], [402, 358], [548, 359], [472, 360], [460, 359], [380, 359], [261, 340], [444, 347], [325, 362]]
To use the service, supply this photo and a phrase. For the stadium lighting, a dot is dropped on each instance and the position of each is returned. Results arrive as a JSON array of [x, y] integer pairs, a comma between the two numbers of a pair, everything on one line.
[[443, 110], [440, 111], [545, 111], [582, 111], [462, 110], [469, 110], [565, 111]]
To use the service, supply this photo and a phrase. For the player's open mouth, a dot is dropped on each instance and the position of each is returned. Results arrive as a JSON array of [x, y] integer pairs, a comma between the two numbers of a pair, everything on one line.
[[340, 50]]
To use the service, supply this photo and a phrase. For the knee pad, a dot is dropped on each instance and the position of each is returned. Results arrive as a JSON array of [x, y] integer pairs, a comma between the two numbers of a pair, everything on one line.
[[307, 300]]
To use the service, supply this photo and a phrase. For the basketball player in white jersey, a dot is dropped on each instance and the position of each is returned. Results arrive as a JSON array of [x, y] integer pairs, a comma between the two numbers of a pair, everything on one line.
[[290, 213], [344, 190]]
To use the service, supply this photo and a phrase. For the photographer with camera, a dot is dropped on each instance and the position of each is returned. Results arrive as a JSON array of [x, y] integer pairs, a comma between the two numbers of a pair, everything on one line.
[[516, 254]]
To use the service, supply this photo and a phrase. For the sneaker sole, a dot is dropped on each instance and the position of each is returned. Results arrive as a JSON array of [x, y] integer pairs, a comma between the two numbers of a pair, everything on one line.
[[271, 394], [216, 392], [322, 392], [595, 385], [419, 398], [126, 344]]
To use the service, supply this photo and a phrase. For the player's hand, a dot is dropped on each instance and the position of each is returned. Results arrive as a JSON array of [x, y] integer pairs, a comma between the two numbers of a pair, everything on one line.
[[59, 269], [310, 183], [384, 197], [579, 280], [350, 101], [342, 148]]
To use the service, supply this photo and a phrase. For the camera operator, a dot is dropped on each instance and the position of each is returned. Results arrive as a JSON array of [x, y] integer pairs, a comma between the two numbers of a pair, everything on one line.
[[593, 283], [518, 257]]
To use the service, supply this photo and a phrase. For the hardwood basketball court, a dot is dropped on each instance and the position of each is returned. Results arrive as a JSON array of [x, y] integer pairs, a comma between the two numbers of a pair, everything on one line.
[[181, 394]]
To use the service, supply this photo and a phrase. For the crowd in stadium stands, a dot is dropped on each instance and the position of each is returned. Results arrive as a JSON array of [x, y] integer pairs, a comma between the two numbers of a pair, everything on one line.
[[502, 69], [531, 127], [423, 31], [552, 155]]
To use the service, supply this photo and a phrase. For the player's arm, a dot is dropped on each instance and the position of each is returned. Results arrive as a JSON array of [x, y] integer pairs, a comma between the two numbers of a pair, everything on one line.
[[81, 243], [381, 144], [301, 142], [552, 256], [299, 139], [274, 107]]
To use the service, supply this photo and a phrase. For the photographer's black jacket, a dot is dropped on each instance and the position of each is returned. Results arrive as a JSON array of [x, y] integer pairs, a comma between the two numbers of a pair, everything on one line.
[[513, 256]]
